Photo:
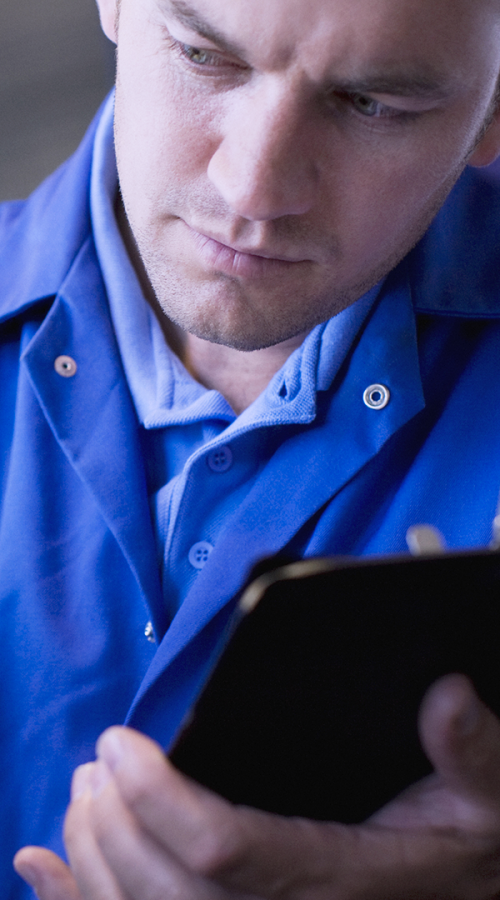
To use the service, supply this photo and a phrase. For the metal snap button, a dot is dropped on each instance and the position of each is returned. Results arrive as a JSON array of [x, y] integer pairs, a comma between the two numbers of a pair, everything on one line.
[[376, 396], [220, 459], [149, 633], [199, 554], [65, 366]]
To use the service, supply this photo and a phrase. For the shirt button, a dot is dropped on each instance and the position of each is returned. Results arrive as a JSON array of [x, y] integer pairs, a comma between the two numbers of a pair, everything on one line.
[[220, 459], [376, 396], [149, 633], [199, 554], [65, 366]]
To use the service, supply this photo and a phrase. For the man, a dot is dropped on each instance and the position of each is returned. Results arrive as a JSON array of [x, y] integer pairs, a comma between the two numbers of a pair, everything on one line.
[[276, 161]]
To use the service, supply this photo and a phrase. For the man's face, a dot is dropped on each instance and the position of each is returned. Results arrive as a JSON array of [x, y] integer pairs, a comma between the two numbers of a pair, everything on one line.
[[277, 157]]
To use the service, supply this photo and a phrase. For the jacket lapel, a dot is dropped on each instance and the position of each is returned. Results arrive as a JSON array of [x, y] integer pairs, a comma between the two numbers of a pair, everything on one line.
[[92, 417]]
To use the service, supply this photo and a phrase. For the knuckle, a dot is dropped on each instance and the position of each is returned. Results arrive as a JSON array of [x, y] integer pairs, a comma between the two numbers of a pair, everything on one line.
[[141, 788], [215, 848], [139, 793]]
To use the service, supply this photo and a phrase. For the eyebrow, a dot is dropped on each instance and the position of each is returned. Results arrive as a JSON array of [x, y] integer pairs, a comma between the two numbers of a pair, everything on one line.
[[189, 17]]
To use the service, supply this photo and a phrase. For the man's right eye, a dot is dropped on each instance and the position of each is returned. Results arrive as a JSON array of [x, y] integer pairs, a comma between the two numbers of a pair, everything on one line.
[[196, 55], [207, 60]]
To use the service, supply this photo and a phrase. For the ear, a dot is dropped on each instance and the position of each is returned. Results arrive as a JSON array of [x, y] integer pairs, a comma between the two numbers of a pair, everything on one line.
[[488, 148], [108, 15]]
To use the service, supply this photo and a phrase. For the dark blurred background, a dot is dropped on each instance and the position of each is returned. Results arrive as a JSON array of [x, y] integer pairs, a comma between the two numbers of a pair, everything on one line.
[[55, 68]]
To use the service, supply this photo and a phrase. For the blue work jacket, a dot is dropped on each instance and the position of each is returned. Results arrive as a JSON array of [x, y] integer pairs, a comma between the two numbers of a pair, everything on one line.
[[79, 576]]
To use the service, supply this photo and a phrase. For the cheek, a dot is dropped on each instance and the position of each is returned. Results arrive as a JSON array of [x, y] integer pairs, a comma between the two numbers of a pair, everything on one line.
[[164, 132], [381, 194]]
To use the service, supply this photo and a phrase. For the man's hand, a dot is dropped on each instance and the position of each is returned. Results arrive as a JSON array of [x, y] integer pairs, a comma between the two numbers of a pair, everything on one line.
[[138, 830]]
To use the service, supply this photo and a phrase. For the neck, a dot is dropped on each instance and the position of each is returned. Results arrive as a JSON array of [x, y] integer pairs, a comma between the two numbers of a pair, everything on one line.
[[240, 376]]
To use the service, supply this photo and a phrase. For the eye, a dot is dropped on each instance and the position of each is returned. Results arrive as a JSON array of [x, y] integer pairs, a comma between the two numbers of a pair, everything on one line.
[[197, 56], [211, 62], [369, 107]]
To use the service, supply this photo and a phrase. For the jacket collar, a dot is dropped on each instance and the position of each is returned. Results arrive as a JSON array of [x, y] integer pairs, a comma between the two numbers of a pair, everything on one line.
[[455, 268], [49, 253], [92, 417]]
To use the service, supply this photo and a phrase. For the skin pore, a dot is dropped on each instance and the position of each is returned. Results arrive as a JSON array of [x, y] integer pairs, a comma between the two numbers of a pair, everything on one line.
[[272, 175]]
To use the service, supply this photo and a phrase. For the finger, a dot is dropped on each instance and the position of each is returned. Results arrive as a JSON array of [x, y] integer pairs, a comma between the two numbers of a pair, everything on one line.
[[432, 853], [142, 868], [47, 874], [239, 849], [448, 825], [188, 820], [90, 870], [278, 858], [461, 737]]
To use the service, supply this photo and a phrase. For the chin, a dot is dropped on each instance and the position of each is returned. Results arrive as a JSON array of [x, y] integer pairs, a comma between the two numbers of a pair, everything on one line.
[[242, 335]]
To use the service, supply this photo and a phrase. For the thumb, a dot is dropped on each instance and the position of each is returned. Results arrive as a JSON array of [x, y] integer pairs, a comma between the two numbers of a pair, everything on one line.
[[46, 873], [461, 738]]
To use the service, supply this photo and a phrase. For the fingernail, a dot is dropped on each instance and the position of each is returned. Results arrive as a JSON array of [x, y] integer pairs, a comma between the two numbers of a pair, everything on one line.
[[81, 781], [110, 748]]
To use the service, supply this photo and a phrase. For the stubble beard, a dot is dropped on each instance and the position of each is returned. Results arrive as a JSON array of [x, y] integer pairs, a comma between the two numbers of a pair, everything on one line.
[[221, 310]]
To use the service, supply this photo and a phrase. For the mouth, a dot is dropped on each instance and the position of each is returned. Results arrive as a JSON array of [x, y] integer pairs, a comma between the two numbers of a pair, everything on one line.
[[241, 262]]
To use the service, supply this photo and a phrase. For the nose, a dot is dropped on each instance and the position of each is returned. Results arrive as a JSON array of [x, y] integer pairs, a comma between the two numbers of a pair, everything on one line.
[[263, 167]]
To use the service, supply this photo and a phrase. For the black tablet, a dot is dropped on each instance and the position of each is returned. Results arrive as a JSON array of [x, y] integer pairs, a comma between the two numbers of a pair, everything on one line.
[[312, 708]]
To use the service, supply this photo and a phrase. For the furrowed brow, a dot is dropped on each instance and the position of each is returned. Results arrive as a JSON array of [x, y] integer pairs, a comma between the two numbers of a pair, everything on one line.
[[189, 17]]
